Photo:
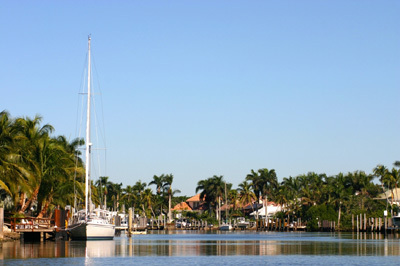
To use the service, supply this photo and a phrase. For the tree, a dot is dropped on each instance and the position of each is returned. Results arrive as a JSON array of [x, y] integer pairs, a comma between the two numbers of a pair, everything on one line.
[[138, 188], [246, 196], [167, 187], [9, 178], [233, 198], [268, 183], [255, 182], [114, 192], [290, 194], [312, 188], [147, 199], [339, 193], [212, 190], [382, 173], [35, 149], [158, 181], [129, 196], [57, 186], [102, 185], [361, 182]]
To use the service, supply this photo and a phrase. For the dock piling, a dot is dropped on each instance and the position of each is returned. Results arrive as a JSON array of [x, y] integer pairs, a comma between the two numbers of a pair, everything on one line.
[[130, 214]]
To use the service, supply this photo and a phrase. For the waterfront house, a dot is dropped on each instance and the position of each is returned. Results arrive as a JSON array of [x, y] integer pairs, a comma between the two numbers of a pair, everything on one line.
[[392, 196], [194, 204], [269, 210]]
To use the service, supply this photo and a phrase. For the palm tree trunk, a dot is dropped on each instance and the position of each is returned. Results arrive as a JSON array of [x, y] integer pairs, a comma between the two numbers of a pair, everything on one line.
[[22, 200], [144, 210], [169, 208], [44, 209], [340, 212], [219, 211], [32, 198]]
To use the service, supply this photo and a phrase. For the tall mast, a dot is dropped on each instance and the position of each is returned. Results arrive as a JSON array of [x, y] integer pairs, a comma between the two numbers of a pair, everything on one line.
[[87, 142]]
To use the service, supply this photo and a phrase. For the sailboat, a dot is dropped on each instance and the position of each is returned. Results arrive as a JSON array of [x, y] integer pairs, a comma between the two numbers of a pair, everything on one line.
[[89, 223], [226, 226]]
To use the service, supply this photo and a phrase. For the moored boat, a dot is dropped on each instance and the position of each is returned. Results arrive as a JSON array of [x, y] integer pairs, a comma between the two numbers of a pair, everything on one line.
[[90, 223], [225, 227], [396, 220]]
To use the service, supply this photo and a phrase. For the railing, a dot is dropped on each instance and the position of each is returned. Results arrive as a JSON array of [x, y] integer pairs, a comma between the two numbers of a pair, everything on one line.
[[31, 224]]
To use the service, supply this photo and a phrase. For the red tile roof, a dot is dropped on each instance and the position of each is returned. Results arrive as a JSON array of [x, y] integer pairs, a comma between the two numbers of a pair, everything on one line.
[[195, 198], [183, 206]]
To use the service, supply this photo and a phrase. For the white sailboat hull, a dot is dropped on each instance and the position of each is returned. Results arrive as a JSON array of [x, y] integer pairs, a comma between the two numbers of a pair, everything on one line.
[[90, 224], [92, 231]]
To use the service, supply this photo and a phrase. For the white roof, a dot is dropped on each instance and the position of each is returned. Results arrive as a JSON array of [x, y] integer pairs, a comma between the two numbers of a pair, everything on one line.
[[271, 210]]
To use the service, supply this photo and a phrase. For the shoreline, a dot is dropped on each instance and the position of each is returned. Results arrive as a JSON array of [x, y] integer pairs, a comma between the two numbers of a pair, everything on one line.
[[10, 236]]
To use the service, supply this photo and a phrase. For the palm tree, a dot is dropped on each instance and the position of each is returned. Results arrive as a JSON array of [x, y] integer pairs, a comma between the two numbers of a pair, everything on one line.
[[158, 181], [246, 196], [167, 187], [312, 188], [128, 195], [138, 188], [57, 185], [35, 146], [361, 183], [289, 195], [147, 199], [114, 192], [218, 187], [255, 183], [269, 183], [382, 173], [392, 179], [6, 144], [102, 185], [264, 183], [233, 198], [283, 196], [212, 190], [396, 176], [339, 192], [206, 194]]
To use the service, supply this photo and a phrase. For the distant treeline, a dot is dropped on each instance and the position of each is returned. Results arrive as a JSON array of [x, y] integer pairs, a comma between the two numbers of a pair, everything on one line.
[[39, 172]]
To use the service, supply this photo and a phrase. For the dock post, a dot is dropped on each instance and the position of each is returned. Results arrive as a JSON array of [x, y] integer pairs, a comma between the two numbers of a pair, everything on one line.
[[379, 224], [385, 224], [365, 222], [130, 222], [357, 224]]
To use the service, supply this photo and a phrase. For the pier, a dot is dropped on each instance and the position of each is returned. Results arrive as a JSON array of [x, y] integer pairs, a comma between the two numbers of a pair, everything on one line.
[[359, 223], [33, 229]]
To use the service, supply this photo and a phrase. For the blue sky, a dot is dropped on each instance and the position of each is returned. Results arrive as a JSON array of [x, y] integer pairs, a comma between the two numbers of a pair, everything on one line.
[[203, 88]]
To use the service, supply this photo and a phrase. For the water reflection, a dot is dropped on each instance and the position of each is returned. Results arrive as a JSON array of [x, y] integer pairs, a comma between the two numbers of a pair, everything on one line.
[[212, 244]]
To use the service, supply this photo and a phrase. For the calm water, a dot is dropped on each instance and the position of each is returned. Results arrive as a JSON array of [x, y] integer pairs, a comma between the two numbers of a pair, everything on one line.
[[211, 248]]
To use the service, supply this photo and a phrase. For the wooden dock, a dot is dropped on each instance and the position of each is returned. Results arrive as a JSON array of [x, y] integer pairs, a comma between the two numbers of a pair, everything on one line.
[[33, 229]]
